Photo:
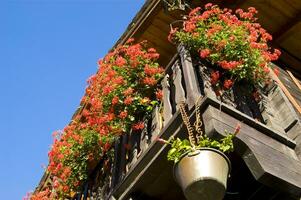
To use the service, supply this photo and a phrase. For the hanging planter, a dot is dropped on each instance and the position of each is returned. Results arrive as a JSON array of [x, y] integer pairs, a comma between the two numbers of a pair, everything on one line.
[[203, 174], [200, 166]]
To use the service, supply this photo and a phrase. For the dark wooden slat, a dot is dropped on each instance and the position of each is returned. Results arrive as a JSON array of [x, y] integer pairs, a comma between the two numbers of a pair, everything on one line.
[[286, 27], [268, 131], [144, 139], [154, 158], [86, 190], [156, 124], [283, 109], [204, 81], [268, 164], [167, 108], [133, 155], [190, 77], [116, 163], [177, 81]]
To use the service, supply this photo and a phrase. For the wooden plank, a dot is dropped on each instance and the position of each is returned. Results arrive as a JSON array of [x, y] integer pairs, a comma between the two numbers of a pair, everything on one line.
[[282, 109], [206, 86], [269, 118], [250, 121], [156, 124], [229, 124], [167, 108], [156, 42], [154, 159], [177, 81], [163, 26], [141, 20], [286, 27], [134, 151], [276, 163], [296, 81], [149, 158], [288, 115], [289, 83], [190, 78], [144, 139]]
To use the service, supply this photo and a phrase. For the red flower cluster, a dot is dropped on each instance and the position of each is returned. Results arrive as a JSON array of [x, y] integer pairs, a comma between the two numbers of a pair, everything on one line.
[[215, 77], [232, 40], [228, 65], [204, 53], [115, 101], [228, 84], [138, 126], [41, 195]]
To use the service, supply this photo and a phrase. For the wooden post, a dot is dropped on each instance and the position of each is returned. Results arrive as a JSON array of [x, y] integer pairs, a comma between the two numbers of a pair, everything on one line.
[[177, 81], [167, 109], [190, 77]]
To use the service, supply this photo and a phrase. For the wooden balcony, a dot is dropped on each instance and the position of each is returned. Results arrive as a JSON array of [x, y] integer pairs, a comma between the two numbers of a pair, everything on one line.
[[265, 164]]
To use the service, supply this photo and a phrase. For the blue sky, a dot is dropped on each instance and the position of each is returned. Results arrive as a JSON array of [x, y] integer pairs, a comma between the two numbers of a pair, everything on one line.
[[48, 48]]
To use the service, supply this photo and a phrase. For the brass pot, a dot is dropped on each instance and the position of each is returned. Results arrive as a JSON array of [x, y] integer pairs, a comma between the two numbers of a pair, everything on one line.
[[203, 174]]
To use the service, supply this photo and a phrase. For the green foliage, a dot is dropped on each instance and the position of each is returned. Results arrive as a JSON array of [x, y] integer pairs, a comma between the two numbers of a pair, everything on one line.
[[180, 147]]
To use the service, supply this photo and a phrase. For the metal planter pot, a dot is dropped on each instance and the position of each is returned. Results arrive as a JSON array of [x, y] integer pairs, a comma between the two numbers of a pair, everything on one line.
[[203, 174]]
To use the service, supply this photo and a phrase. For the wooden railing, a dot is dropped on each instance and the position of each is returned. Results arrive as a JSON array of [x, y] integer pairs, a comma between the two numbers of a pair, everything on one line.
[[185, 79]]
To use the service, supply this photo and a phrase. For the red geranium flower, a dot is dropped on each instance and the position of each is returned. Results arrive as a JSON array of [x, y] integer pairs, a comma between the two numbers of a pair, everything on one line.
[[138, 126], [228, 84], [214, 77], [204, 53]]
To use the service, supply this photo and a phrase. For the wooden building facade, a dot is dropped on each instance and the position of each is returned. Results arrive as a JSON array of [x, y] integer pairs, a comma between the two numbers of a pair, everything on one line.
[[266, 163]]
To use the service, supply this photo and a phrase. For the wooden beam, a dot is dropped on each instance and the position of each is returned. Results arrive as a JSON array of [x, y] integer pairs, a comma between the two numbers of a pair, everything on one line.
[[149, 8], [296, 81], [286, 27], [286, 92]]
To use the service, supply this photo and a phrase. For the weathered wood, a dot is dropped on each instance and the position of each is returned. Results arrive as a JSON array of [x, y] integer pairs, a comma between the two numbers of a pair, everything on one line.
[[122, 157], [133, 155], [156, 124], [251, 122], [295, 80], [238, 96], [270, 158], [177, 81], [282, 109], [288, 96], [167, 109], [249, 144], [116, 163], [267, 113], [206, 85], [149, 158], [86, 190], [190, 77], [241, 98], [144, 139]]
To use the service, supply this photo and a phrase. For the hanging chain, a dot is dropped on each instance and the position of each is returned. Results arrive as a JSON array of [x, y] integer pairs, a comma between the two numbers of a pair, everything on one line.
[[187, 123], [198, 123]]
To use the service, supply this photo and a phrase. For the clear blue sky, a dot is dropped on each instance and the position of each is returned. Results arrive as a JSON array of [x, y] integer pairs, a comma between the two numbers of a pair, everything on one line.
[[48, 48]]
